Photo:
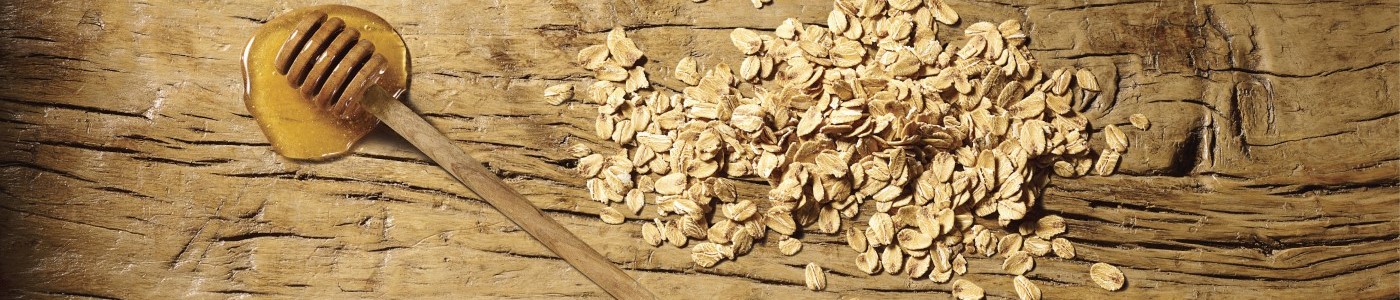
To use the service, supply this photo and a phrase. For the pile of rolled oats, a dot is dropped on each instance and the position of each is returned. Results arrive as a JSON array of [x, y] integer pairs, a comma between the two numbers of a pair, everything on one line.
[[869, 112]]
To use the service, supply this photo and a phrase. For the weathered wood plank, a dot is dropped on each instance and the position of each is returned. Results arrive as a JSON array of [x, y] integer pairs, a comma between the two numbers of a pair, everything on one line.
[[131, 168]]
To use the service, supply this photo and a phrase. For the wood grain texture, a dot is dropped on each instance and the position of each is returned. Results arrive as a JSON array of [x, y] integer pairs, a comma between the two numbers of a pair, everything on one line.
[[505, 199], [130, 169]]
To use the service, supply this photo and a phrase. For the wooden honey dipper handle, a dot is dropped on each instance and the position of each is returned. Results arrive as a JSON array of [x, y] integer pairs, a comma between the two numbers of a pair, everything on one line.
[[506, 200]]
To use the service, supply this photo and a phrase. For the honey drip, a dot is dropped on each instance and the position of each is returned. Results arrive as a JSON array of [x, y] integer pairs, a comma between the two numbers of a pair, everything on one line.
[[295, 127]]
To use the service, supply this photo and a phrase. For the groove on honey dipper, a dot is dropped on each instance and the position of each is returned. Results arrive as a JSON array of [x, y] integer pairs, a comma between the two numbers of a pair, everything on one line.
[[329, 64]]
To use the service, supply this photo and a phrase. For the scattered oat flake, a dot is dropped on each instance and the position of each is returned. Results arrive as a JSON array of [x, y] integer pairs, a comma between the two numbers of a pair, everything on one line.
[[1140, 121], [869, 262], [856, 239], [1050, 226], [1025, 289], [881, 230], [611, 216], [1036, 246], [1062, 248], [892, 259], [789, 246], [687, 71], [580, 151], [622, 48], [1086, 80], [966, 290], [1115, 138], [706, 254], [815, 277], [746, 40], [1107, 163], [634, 200], [593, 57], [1018, 262], [652, 235], [559, 93], [1008, 244], [1106, 276]]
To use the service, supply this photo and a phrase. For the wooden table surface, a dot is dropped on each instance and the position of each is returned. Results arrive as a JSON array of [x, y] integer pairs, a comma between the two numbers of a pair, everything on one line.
[[131, 169]]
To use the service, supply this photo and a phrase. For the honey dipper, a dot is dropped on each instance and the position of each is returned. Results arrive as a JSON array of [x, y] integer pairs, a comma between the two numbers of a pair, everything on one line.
[[328, 64]]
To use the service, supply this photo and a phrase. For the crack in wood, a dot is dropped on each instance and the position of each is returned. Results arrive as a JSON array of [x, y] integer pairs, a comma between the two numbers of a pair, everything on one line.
[[33, 38], [72, 294], [89, 109], [393, 158], [162, 160], [1318, 74], [80, 145], [272, 235], [65, 220], [1281, 142], [123, 191], [40, 168], [221, 143]]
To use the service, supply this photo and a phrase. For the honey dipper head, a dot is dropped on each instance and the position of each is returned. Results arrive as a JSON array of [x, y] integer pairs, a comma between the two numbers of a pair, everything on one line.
[[305, 70]]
